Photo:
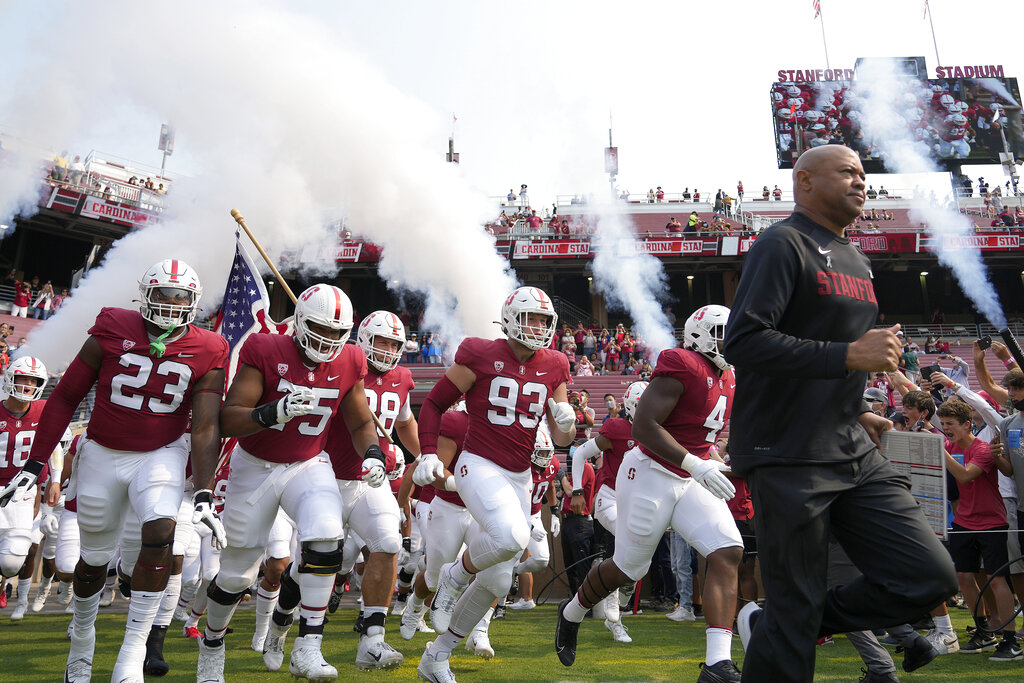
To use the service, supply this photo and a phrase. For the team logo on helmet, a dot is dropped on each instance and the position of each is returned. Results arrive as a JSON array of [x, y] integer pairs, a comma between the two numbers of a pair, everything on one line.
[[498, 366], [282, 369]]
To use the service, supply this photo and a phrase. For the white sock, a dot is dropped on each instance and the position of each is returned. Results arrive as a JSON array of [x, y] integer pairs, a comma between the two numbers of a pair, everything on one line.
[[943, 624], [44, 583], [24, 588], [575, 611], [415, 602], [459, 574], [141, 611], [315, 591], [265, 602], [473, 605], [611, 607], [83, 635], [485, 621], [169, 602], [719, 645]]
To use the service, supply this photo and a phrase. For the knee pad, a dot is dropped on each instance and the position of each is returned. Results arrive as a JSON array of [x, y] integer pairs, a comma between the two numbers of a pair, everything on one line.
[[496, 579], [97, 558], [223, 597], [532, 564], [10, 565], [390, 544], [405, 578], [320, 562], [92, 574], [511, 540]]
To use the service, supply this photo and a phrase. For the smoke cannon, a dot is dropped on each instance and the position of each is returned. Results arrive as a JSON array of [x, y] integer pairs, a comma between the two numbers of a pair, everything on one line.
[[1013, 346]]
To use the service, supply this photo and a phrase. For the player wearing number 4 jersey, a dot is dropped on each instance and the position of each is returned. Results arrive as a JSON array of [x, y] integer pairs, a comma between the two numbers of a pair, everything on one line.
[[280, 405], [151, 368], [671, 480], [510, 386]]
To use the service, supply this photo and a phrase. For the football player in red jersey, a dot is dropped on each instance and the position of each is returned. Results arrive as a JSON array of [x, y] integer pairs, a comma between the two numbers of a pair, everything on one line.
[[279, 405], [152, 368], [537, 554], [368, 508], [611, 444], [23, 382], [670, 480], [507, 383]]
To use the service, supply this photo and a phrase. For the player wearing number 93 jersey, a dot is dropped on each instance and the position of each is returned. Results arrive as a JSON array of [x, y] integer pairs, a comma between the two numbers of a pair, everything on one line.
[[151, 368], [510, 386]]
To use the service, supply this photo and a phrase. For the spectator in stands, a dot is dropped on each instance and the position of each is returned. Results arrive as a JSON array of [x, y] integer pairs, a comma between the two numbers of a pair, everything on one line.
[[659, 195], [5, 332], [882, 192], [673, 227], [133, 181], [511, 198], [765, 193], [727, 200], [612, 356], [650, 196], [160, 189], [909, 363], [22, 294], [696, 195], [5, 357], [579, 334], [584, 368], [535, 222], [719, 204], [645, 371], [566, 231], [929, 345], [41, 306], [524, 199], [614, 409], [626, 346], [434, 349], [777, 194], [941, 345], [412, 349], [686, 194], [108, 193], [739, 190], [871, 194], [60, 167], [569, 349], [691, 223], [938, 317], [958, 373], [77, 169], [968, 187]]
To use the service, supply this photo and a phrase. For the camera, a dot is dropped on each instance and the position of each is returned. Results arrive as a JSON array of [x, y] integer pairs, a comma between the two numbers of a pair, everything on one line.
[[985, 342], [927, 370]]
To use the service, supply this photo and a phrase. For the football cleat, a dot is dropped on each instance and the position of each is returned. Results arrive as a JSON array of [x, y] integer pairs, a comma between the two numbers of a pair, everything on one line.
[[154, 664], [78, 671], [448, 593], [19, 612], [619, 634], [565, 636], [307, 661], [945, 643], [433, 666], [5, 594], [210, 668], [180, 614], [410, 622], [374, 653], [64, 593], [522, 603], [334, 601], [724, 671], [190, 632], [681, 613], [499, 613], [273, 646], [479, 644], [107, 598], [41, 594]]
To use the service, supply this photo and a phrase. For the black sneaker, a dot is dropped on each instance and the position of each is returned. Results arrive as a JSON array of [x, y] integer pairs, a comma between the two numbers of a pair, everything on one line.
[[499, 612], [724, 671], [514, 588], [1007, 651], [565, 636], [154, 664], [698, 611], [869, 677], [335, 600], [981, 641], [919, 653]]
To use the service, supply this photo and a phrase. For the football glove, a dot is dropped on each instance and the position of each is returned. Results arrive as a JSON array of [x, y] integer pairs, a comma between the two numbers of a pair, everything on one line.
[[563, 414], [21, 482], [48, 524], [429, 468], [405, 554], [202, 500], [296, 404], [373, 472], [537, 533], [709, 474], [556, 526]]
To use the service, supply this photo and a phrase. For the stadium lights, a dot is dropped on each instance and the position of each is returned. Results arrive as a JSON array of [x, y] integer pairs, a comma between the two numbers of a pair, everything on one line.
[[924, 272], [689, 277]]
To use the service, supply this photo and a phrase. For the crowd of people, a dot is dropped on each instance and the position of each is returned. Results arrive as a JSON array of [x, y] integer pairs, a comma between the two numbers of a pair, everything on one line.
[[74, 174], [33, 296]]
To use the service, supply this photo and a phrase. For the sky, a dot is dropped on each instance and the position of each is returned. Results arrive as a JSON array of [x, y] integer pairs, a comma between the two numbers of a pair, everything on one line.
[[532, 84]]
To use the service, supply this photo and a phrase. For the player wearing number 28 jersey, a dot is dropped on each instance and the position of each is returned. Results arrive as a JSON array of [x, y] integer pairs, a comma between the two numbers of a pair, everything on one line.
[[510, 386], [151, 368], [670, 480], [281, 405]]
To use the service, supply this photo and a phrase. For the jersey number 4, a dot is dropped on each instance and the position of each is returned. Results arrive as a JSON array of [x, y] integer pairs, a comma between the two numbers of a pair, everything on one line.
[[173, 390], [504, 394], [716, 420]]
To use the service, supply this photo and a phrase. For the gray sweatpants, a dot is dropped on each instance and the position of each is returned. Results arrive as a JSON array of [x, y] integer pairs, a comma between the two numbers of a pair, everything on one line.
[[876, 658]]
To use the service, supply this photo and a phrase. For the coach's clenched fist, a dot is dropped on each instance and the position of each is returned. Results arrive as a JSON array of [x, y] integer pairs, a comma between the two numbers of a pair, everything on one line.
[[878, 350]]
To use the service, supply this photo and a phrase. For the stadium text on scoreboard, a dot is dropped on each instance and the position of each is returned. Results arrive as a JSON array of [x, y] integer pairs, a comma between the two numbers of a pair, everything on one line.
[[977, 71], [812, 75]]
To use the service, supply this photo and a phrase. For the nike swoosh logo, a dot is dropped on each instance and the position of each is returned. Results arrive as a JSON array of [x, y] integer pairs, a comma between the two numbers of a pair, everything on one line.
[[395, 384], [377, 657], [33, 424], [331, 379], [540, 374], [186, 355], [824, 251]]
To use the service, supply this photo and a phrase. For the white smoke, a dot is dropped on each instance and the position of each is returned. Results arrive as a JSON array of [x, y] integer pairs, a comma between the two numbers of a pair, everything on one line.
[[281, 121], [632, 281], [878, 93]]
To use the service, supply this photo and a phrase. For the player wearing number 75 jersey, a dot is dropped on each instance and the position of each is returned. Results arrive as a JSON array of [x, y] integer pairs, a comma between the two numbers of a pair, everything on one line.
[[281, 404], [510, 385], [151, 368], [669, 479]]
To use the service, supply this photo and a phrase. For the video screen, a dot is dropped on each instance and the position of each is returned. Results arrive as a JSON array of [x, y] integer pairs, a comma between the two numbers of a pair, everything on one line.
[[962, 120]]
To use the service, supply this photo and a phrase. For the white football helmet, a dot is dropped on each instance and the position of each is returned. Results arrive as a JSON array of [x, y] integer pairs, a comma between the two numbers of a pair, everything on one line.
[[388, 326], [518, 305], [175, 280], [813, 115], [958, 120], [704, 329], [65, 441], [632, 397], [543, 449], [328, 306], [25, 366], [776, 96], [399, 464], [946, 99], [793, 91]]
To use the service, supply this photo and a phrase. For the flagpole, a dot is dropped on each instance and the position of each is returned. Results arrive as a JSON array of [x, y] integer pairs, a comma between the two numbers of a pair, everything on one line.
[[928, 11], [821, 20], [240, 219]]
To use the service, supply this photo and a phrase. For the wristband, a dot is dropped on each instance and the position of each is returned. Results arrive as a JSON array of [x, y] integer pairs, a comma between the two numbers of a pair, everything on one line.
[[449, 483], [407, 544], [265, 415], [577, 492], [376, 453], [554, 509], [34, 467], [1009, 362], [202, 496]]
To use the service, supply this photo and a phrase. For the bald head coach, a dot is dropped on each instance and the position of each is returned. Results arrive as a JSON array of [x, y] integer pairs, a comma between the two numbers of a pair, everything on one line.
[[801, 338]]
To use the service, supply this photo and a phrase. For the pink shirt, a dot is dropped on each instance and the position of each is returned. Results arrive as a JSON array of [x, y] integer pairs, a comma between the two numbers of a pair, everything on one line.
[[981, 506]]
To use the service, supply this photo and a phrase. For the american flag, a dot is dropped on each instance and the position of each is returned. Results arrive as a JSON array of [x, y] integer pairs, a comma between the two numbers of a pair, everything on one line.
[[817, 7], [244, 310]]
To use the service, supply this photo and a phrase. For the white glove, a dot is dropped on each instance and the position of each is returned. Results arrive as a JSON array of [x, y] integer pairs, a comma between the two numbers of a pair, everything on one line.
[[373, 472], [296, 404], [537, 533], [556, 526], [709, 474], [48, 524], [402, 518], [18, 486], [204, 512], [563, 415], [429, 468]]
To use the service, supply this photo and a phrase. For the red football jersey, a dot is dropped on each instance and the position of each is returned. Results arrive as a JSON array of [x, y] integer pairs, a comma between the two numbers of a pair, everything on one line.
[[144, 402], [283, 368], [588, 486], [702, 410], [619, 431], [220, 484], [454, 425], [16, 435], [388, 395], [69, 503], [542, 481], [508, 399]]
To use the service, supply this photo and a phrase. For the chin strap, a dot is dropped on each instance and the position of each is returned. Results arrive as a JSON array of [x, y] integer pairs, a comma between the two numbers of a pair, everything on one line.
[[157, 346]]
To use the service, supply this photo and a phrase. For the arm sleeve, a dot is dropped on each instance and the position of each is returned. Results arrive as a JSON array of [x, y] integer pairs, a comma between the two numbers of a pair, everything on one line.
[[753, 340], [579, 460], [441, 398], [60, 408], [991, 417]]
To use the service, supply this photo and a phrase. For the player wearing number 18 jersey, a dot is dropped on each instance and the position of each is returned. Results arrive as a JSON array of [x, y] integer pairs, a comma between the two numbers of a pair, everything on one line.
[[280, 406], [670, 480], [150, 368], [510, 386]]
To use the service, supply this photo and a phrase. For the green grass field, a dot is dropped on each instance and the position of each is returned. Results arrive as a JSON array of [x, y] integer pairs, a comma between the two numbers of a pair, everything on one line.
[[34, 651]]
